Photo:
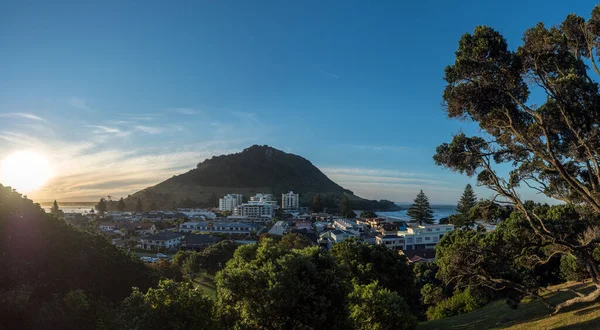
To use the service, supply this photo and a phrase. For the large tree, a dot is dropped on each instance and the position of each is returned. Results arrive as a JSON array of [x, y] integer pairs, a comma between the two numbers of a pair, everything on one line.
[[101, 207], [121, 205], [317, 207], [344, 208], [420, 211], [467, 201], [551, 139], [55, 210]]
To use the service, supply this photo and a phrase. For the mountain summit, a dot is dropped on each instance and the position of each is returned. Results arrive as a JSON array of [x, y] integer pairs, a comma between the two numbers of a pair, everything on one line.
[[257, 169]]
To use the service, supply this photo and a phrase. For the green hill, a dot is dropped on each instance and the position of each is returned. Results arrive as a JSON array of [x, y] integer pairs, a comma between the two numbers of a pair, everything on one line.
[[529, 315], [257, 169]]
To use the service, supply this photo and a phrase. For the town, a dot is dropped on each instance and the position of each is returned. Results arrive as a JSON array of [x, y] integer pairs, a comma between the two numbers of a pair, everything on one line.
[[164, 232]]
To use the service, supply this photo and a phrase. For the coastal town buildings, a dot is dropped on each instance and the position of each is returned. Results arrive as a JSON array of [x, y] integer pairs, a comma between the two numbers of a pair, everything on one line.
[[290, 201], [230, 201]]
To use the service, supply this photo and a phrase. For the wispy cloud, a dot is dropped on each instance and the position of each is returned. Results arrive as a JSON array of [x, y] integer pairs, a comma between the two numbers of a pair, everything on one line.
[[186, 111], [99, 129], [149, 129], [22, 115], [78, 103]]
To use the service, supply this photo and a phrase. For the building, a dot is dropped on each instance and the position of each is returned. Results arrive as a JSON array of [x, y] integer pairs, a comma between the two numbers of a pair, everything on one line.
[[254, 210], [419, 237], [188, 227], [290, 201], [328, 238], [198, 241], [279, 228], [197, 213], [165, 240], [229, 202], [264, 198], [233, 228], [348, 225]]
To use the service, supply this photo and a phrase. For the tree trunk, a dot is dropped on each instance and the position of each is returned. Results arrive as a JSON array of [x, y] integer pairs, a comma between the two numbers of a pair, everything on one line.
[[581, 299]]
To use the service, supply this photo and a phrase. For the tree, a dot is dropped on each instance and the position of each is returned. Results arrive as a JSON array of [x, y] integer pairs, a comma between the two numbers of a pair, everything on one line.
[[55, 210], [344, 208], [467, 200], [420, 211], [101, 206], [295, 241], [351, 214], [377, 308], [171, 305], [554, 146], [376, 263], [316, 204], [264, 286], [213, 201], [368, 215], [121, 205], [139, 207]]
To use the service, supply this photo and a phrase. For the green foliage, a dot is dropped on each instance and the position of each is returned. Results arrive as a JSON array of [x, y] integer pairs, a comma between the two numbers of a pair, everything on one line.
[[181, 256], [211, 259], [267, 286], [375, 308], [168, 270], [420, 211], [461, 302], [316, 206], [572, 269], [171, 305], [101, 207], [344, 207], [467, 200], [294, 241], [368, 215], [376, 263], [431, 294], [351, 215], [121, 205], [139, 206]]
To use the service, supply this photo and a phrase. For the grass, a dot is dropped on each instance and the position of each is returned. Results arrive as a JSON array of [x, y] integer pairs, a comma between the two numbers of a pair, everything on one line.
[[206, 283], [530, 314]]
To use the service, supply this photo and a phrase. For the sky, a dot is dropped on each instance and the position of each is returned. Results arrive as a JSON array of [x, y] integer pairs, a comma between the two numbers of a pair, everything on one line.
[[120, 95]]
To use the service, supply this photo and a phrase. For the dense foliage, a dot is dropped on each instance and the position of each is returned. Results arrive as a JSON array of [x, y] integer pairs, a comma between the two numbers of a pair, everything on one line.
[[553, 147], [420, 211], [44, 260]]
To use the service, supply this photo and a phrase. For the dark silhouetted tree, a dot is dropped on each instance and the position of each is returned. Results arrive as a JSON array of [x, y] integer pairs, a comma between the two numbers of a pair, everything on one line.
[[121, 205], [139, 207], [344, 208]]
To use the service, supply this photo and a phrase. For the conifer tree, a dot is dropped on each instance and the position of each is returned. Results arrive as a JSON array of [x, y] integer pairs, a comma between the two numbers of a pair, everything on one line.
[[420, 211], [121, 205], [344, 206]]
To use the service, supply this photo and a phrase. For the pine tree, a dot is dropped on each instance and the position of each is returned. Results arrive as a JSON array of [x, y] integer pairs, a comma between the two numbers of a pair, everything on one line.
[[467, 201], [55, 210], [316, 204], [344, 206], [121, 205], [139, 207], [420, 211]]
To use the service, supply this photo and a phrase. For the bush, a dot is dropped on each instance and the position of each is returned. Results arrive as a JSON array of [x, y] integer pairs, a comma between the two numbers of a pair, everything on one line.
[[571, 269], [461, 302], [375, 308]]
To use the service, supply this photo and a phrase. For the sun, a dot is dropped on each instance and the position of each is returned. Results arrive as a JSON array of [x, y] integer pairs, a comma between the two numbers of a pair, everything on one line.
[[25, 171]]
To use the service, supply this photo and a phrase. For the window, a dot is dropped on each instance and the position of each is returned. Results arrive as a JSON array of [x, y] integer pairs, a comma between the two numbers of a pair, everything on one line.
[[437, 229], [428, 238]]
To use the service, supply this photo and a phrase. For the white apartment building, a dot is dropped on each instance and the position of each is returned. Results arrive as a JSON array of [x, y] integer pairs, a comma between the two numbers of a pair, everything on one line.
[[264, 198], [419, 237], [188, 227], [348, 225], [229, 202], [290, 201], [254, 210]]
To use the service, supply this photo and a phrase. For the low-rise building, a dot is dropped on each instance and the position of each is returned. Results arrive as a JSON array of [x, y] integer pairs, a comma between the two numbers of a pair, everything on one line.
[[192, 213], [328, 238], [279, 228], [233, 228], [198, 241], [164, 240], [418, 237], [264, 198], [348, 225], [188, 227]]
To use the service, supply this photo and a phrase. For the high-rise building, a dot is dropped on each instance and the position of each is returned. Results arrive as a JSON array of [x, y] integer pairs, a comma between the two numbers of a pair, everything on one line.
[[230, 201], [264, 198], [290, 200]]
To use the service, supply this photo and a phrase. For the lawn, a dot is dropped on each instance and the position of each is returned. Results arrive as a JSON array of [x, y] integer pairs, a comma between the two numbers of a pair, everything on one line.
[[529, 315], [206, 282]]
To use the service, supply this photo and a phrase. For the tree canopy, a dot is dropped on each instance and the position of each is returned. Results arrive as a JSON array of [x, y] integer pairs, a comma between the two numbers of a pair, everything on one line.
[[552, 146], [420, 211], [344, 208], [317, 207], [121, 205]]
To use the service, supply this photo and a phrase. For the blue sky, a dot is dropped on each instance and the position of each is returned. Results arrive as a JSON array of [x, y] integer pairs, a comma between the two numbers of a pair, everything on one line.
[[121, 95]]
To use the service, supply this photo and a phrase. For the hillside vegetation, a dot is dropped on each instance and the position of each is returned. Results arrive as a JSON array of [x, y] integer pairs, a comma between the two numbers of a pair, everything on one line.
[[531, 314], [257, 169]]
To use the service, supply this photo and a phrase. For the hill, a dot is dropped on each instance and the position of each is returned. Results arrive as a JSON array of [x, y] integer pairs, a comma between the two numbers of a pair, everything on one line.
[[529, 315], [257, 169]]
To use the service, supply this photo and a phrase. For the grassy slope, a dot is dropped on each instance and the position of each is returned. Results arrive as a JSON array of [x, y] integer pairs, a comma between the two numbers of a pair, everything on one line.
[[206, 282], [529, 315]]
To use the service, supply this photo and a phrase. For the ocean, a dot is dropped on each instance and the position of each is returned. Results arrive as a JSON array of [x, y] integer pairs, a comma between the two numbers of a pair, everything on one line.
[[439, 211], [71, 208]]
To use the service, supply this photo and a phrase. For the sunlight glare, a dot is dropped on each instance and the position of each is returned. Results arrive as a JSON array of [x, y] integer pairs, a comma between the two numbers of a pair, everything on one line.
[[25, 171]]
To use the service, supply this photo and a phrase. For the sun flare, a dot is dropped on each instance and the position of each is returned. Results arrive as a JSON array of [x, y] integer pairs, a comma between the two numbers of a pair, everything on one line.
[[25, 171]]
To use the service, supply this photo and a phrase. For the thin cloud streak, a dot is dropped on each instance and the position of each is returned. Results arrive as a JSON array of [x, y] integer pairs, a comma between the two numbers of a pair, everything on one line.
[[149, 129], [22, 115], [186, 111]]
